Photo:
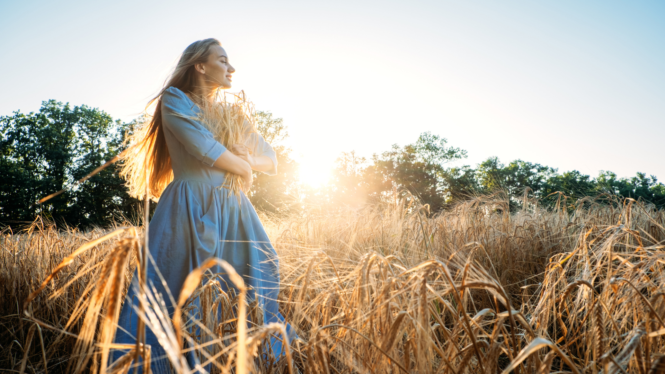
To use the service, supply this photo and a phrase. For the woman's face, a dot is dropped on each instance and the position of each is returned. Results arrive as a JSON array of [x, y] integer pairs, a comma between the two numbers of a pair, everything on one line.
[[217, 70]]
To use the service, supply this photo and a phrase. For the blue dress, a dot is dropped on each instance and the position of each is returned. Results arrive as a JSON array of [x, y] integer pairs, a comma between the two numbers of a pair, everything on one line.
[[196, 220]]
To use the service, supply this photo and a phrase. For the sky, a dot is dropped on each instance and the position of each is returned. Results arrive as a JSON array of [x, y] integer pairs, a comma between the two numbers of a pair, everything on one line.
[[575, 85]]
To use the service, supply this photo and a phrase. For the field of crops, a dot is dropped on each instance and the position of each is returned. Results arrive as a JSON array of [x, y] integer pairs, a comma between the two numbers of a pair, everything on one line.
[[385, 289]]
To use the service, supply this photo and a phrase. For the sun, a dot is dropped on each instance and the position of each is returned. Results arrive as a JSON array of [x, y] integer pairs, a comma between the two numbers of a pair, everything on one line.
[[314, 173]]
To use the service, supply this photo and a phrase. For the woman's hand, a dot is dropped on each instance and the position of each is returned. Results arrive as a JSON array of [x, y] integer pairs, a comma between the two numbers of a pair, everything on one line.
[[231, 163], [258, 163], [243, 152], [247, 181]]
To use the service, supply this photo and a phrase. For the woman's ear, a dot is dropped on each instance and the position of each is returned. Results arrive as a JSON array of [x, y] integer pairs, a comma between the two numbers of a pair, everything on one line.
[[199, 67]]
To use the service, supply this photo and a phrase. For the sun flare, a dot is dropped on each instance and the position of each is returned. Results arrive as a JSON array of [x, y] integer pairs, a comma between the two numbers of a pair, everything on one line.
[[314, 173]]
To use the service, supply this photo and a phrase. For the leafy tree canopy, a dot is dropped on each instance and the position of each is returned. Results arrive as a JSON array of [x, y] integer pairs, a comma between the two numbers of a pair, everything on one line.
[[419, 169], [44, 152]]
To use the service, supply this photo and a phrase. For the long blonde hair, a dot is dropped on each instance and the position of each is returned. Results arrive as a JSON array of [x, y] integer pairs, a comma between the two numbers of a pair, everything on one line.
[[147, 154]]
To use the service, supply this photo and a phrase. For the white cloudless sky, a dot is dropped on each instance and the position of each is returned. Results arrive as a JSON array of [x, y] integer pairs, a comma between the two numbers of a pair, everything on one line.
[[569, 84]]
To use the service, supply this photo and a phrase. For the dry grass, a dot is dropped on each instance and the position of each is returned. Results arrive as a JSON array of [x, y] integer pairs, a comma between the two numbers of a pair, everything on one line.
[[231, 119], [383, 290]]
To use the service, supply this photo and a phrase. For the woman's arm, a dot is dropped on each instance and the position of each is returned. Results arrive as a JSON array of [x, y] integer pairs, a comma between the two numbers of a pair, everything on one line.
[[258, 163], [262, 163], [236, 165]]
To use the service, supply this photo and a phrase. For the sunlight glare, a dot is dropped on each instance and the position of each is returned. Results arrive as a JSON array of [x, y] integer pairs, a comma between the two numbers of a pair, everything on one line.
[[314, 173]]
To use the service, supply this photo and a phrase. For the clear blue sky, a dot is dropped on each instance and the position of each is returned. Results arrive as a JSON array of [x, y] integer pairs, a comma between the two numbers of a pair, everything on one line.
[[569, 84]]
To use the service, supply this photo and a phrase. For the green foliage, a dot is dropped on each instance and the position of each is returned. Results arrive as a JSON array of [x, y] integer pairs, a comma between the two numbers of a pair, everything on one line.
[[44, 152], [516, 178], [433, 150], [418, 169], [460, 183], [637, 187], [415, 169]]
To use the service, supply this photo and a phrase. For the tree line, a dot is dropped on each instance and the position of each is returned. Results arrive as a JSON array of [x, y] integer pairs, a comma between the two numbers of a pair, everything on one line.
[[47, 151], [419, 170]]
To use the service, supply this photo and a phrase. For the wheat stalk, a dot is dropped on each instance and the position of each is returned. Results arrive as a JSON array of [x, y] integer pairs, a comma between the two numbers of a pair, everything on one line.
[[230, 118]]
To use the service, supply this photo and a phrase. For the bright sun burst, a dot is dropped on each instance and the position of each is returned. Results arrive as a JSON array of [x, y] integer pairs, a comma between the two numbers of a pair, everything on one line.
[[313, 173]]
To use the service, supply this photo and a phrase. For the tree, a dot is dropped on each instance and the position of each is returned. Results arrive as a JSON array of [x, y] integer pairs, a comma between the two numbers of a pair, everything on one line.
[[103, 198], [460, 183], [639, 187], [348, 186], [571, 183], [34, 160], [44, 152], [415, 169]]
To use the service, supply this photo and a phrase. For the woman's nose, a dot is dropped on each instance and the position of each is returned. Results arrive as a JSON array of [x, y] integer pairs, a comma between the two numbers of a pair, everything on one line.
[[231, 69]]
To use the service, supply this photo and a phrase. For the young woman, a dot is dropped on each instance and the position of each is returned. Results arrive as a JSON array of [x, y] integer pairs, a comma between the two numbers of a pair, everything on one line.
[[195, 218]]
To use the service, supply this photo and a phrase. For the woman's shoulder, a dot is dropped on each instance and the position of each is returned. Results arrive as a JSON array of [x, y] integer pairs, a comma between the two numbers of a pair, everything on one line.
[[174, 99], [172, 93]]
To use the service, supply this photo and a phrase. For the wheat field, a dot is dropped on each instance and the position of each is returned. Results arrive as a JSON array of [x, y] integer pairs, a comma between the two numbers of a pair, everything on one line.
[[386, 289]]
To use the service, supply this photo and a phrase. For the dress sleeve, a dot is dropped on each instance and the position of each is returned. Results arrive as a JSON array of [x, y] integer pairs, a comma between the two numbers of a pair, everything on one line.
[[179, 117], [260, 147]]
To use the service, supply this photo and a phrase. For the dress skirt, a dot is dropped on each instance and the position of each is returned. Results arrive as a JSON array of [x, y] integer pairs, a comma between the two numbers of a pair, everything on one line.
[[194, 221]]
